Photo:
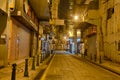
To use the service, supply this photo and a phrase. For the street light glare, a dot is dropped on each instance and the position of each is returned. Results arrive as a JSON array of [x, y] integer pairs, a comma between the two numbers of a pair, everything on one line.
[[48, 1], [76, 17], [65, 37]]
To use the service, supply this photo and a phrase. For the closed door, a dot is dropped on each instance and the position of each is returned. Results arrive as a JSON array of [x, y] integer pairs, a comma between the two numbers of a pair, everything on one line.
[[19, 41]]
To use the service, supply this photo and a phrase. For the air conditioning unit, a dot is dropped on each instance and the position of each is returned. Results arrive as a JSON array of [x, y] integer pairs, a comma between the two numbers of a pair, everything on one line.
[[12, 5]]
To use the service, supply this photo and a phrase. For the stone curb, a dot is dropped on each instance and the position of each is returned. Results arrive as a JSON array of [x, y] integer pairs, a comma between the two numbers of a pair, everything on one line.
[[105, 67]]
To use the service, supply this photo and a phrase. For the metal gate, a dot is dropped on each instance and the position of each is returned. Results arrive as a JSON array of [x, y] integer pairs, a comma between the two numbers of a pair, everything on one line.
[[19, 41]]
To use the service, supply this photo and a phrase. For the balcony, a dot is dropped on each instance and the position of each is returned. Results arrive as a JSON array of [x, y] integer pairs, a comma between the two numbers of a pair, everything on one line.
[[24, 19], [20, 15]]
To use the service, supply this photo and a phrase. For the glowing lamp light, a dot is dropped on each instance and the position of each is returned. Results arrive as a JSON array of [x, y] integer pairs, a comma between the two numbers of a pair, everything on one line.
[[76, 17], [65, 37], [70, 34], [48, 1]]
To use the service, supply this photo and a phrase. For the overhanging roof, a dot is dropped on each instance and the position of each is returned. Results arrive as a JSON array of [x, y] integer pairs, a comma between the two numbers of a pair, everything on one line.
[[41, 9]]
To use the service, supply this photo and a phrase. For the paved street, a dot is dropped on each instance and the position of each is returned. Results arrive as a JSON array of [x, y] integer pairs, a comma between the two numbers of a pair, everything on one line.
[[67, 67]]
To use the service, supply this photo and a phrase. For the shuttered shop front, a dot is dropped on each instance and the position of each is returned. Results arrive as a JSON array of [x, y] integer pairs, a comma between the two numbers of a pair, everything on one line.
[[20, 41]]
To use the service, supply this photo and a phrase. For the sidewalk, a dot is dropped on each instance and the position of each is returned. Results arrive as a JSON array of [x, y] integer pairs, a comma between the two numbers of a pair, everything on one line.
[[5, 73], [109, 65], [106, 64]]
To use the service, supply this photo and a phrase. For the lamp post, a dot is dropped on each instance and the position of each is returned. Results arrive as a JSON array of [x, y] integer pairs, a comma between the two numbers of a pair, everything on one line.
[[75, 32]]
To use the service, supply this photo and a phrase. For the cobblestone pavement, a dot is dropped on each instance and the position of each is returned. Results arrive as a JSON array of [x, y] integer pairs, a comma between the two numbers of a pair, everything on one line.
[[66, 67]]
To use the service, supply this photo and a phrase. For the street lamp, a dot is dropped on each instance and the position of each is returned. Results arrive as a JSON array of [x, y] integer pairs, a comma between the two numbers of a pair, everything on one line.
[[75, 17]]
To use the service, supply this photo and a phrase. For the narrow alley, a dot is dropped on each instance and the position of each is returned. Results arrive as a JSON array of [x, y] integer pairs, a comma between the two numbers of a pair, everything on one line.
[[68, 67], [59, 39]]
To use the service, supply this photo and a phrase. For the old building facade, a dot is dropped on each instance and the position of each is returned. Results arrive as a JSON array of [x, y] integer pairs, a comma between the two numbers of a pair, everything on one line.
[[106, 40], [19, 31]]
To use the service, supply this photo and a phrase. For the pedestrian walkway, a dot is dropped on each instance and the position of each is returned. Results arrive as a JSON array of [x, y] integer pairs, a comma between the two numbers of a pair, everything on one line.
[[112, 65], [67, 67], [109, 65], [6, 72]]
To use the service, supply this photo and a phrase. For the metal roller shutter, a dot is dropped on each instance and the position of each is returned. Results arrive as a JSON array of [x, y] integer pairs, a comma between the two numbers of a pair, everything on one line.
[[20, 41]]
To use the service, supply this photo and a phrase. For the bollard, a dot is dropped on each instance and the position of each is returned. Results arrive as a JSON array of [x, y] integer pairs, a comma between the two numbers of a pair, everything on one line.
[[33, 63], [90, 56], [51, 51], [47, 54], [14, 72], [100, 61], [37, 64], [95, 57], [41, 58], [26, 68]]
